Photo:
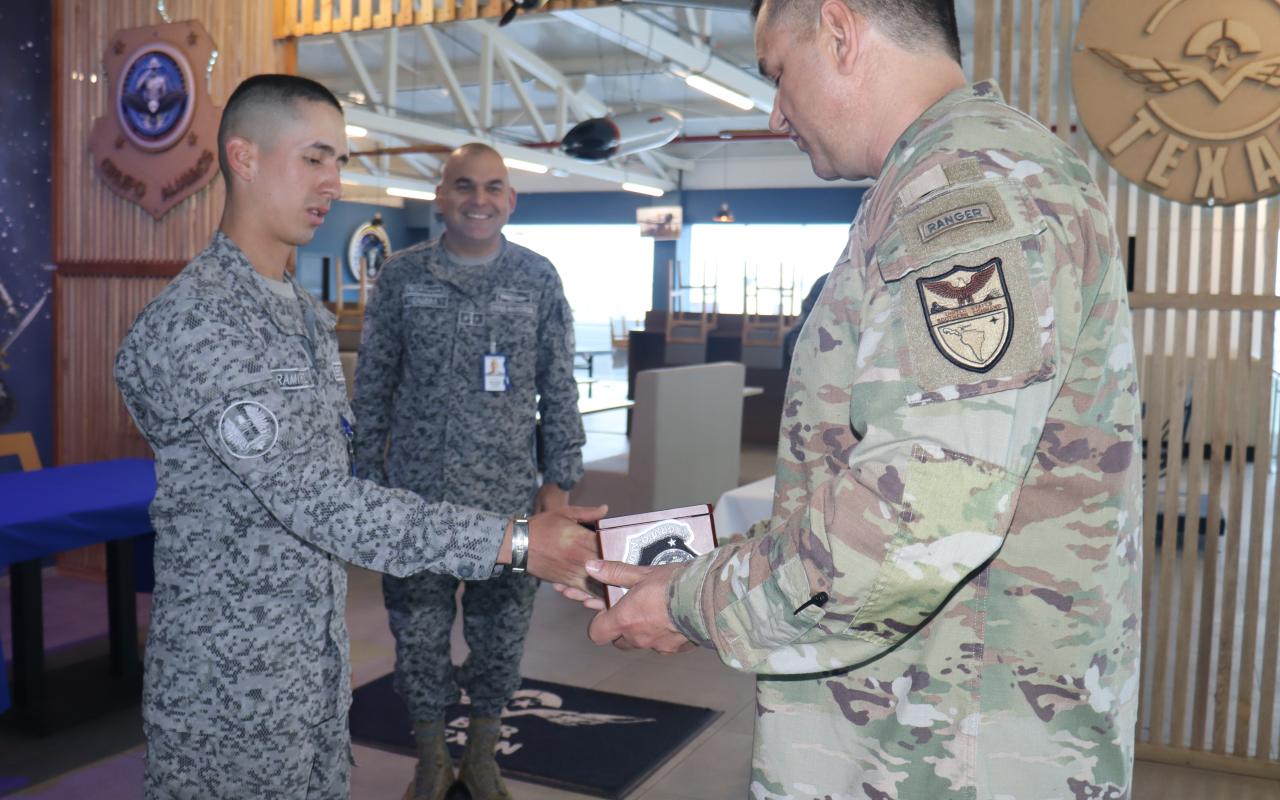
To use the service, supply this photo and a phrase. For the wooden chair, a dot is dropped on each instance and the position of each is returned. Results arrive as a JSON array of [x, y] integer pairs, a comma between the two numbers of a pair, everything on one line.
[[23, 446]]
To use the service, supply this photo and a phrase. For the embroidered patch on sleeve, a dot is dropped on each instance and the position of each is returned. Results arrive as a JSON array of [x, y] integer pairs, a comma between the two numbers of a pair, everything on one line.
[[968, 313], [977, 323], [978, 213], [248, 429]]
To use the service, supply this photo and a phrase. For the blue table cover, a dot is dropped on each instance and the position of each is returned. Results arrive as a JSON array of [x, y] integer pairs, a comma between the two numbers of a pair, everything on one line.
[[62, 508]]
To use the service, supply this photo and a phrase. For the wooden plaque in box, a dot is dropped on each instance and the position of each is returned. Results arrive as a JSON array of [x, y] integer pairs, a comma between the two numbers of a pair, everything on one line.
[[655, 538]]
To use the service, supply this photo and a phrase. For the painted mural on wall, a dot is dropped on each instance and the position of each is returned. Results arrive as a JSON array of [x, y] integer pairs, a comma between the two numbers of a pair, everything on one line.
[[156, 145], [1182, 97], [26, 368]]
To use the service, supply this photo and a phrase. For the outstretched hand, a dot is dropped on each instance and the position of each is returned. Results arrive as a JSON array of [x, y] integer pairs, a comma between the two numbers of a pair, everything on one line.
[[559, 547], [640, 618]]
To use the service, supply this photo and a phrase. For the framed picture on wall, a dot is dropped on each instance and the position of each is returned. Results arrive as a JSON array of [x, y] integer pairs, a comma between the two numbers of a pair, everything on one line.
[[662, 223]]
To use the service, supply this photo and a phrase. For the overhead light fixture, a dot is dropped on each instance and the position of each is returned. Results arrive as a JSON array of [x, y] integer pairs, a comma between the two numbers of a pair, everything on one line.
[[640, 188], [412, 194], [724, 214], [356, 132], [527, 166], [719, 92]]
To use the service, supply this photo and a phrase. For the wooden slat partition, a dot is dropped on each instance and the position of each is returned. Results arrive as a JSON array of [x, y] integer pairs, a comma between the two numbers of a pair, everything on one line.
[[112, 256], [1204, 318], [93, 313], [298, 18], [91, 223]]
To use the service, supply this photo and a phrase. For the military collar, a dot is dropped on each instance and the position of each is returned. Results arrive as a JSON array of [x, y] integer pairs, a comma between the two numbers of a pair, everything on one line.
[[247, 282], [982, 91], [472, 279]]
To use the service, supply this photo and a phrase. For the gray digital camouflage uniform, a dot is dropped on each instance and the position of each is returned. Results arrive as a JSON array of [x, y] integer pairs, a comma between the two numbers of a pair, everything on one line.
[[240, 394], [957, 492], [427, 328]]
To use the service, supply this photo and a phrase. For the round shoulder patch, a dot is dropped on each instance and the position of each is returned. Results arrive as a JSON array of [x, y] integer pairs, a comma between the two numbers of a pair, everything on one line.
[[248, 429]]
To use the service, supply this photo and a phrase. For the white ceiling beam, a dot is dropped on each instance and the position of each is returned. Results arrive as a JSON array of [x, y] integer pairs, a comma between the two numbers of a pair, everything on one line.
[[562, 112], [450, 77], [371, 93], [615, 24], [392, 59], [418, 131], [486, 84], [582, 103], [517, 86], [386, 181]]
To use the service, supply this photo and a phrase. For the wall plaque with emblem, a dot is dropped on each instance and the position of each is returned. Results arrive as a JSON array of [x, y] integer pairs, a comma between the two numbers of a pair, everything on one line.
[[656, 538], [156, 144], [1182, 97]]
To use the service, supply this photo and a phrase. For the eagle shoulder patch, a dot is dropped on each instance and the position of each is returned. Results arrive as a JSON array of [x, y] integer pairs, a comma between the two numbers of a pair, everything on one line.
[[968, 313]]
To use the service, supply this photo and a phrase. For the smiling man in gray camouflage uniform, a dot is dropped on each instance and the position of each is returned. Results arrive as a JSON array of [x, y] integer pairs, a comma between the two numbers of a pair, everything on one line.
[[466, 339], [232, 375], [946, 600]]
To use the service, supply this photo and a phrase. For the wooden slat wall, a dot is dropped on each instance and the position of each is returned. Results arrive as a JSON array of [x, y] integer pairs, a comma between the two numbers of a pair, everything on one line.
[[1205, 308], [93, 311], [297, 18], [98, 237]]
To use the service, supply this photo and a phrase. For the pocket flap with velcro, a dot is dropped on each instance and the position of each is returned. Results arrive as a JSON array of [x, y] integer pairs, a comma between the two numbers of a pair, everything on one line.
[[957, 220]]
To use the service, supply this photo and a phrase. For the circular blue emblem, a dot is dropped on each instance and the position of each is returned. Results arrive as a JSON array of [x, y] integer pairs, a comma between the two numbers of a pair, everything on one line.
[[154, 98], [369, 246]]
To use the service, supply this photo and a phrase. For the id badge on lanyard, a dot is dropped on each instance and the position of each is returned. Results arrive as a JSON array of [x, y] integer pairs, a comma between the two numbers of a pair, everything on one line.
[[493, 372]]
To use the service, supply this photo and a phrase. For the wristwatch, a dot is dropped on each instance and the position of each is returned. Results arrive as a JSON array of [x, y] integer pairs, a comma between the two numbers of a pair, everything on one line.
[[520, 545]]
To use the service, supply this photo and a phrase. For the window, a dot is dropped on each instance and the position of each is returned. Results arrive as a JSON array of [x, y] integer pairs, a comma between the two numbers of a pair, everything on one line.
[[607, 271], [761, 258]]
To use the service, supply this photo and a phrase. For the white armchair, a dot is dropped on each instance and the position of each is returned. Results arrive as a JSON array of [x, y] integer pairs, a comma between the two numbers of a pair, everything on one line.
[[686, 438]]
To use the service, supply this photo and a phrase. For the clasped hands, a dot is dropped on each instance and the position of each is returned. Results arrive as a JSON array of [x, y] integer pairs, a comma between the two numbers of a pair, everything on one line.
[[639, 620], [563, 552]]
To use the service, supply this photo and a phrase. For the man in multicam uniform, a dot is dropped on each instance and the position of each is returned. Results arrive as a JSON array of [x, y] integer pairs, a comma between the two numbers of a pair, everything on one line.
[[946, 601], [232, 375], [446, 314]]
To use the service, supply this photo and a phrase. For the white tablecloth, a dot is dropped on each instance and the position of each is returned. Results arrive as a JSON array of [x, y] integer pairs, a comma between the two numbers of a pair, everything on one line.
[[738, 509]]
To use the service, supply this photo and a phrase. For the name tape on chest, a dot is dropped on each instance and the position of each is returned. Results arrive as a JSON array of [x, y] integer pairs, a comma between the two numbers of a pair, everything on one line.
[[426, 297], [294, 379]]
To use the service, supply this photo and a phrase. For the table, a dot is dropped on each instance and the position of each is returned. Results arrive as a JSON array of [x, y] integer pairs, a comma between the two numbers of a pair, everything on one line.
[[738, 509], [595, 405], [62, 508]]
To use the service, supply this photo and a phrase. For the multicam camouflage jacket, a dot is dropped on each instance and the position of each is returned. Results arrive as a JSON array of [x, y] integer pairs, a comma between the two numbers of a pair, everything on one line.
[[419, 379], [240, 394], [946, 602]]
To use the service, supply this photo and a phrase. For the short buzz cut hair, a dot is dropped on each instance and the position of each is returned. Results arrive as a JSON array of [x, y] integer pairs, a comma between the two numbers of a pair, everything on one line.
[[907, 23], [259, 93]]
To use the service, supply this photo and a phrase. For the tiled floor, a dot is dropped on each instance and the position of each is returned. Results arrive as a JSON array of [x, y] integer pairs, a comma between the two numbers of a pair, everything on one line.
[[104, 759]]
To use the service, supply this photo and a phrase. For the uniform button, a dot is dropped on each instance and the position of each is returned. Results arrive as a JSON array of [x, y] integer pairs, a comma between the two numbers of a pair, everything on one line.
[[466, 571]]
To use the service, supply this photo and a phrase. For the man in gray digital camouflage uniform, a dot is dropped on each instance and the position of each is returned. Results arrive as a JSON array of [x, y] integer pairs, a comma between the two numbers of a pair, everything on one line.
[[946, 600], [232, 375], [467, 338]]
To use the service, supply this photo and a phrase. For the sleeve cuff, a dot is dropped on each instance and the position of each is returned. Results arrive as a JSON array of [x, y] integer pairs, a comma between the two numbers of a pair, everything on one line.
[[684, 600]]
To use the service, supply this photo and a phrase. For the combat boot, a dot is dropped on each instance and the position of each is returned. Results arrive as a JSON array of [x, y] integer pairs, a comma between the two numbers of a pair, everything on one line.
[[434, 773], [479, 772]]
